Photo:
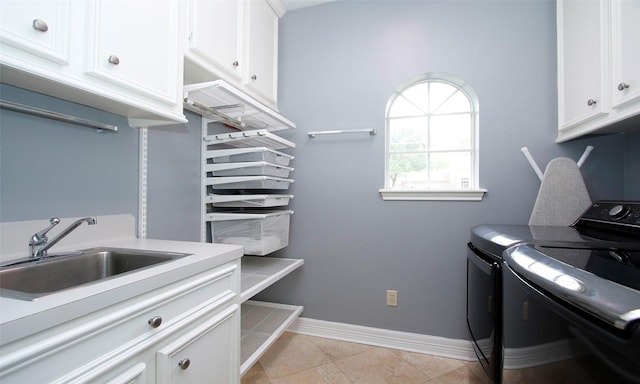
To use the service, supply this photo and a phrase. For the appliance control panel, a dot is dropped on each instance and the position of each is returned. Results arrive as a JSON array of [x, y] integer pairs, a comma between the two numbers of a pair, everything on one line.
[[615, 213]]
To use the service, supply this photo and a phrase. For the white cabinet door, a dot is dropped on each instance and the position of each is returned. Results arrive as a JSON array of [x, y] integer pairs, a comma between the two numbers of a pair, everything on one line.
[[210, 353], [40, 28], [134, 44], [582, 61], [215, 34], [262, 47], [236, 41], [625, 51]]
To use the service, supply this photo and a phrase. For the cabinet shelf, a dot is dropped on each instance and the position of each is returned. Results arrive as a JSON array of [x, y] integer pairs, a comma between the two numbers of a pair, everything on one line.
[[260, 272], [262, 324], [220, 101]]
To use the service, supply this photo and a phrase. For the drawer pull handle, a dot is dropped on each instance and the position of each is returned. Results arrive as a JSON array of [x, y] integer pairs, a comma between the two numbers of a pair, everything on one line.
[[184, 363], [236, 64], [113, 59], [622, 86], [591, 102], [155, 321], [254, 77], [40, 25]]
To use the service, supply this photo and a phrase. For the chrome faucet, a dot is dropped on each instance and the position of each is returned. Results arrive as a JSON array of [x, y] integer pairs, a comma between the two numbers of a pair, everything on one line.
[[39, 243]]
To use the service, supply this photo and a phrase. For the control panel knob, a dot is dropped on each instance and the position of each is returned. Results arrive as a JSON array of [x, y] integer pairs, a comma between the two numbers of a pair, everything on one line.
[[618, 212]]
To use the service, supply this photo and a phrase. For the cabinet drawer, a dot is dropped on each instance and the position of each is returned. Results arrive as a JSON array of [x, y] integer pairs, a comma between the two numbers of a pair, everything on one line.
[[198, 348], [53, 353]]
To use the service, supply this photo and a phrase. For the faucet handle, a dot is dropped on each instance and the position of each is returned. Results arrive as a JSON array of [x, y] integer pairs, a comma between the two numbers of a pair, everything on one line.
[[38, 237]]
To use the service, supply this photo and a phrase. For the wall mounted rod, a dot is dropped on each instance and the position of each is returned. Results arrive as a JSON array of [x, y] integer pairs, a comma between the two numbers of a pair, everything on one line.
[[56, 116], [371, 132]]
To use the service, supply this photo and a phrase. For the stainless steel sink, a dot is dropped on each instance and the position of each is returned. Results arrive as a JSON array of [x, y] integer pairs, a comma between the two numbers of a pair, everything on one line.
[[32, 279]]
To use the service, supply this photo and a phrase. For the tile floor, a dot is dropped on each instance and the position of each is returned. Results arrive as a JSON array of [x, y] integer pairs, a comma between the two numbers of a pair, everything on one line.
[[302, 359]]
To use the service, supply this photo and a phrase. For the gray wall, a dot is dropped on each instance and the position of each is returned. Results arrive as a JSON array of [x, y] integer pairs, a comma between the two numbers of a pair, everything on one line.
[[173, 174], [339, 64], [50, 168], [632, 167]]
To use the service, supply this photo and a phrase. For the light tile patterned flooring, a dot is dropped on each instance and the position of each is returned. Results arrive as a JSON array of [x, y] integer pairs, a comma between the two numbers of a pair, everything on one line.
[[302, 359]]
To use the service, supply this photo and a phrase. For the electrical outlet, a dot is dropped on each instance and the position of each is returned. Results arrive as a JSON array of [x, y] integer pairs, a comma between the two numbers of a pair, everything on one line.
[[392, 298]]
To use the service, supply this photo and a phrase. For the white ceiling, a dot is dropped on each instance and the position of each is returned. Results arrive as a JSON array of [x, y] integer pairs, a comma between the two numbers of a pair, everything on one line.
[[290, 5]]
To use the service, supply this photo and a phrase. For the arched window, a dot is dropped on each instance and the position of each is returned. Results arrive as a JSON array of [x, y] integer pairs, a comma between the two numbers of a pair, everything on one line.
[[432, 137]]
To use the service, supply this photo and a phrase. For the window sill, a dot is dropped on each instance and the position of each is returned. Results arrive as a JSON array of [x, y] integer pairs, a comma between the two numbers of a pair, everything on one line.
[[446, 195]]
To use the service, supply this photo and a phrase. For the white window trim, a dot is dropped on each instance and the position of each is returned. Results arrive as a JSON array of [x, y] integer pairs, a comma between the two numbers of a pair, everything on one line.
[[433, 194], [474, 194]]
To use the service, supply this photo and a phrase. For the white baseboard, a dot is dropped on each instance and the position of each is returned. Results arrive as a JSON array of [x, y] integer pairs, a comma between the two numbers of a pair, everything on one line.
[[406, 341], [432, 345]]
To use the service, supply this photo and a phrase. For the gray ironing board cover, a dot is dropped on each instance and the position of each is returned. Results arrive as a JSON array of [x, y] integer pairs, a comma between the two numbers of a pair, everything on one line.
[[562, 197]]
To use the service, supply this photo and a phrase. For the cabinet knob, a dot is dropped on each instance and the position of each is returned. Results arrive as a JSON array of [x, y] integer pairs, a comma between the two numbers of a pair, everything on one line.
[[622, 86], [254, 77], [591, 102], [235, 63], [184, 363], [113, 59], [40, 25], [155, 321]]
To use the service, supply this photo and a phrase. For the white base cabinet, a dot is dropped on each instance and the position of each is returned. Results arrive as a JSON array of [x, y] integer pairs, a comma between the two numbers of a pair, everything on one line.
[[598, 67], [186, 332], [205, 353]]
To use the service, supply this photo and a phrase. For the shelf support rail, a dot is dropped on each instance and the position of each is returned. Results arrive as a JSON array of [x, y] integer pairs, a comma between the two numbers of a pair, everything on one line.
[[101, 127], [371, 132]]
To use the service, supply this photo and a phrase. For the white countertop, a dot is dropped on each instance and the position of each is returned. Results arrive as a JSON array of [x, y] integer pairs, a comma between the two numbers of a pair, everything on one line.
[[20, 318]]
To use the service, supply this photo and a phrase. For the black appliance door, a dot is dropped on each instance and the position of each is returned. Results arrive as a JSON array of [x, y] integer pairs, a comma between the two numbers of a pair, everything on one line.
[[607, 354], [484, 310]]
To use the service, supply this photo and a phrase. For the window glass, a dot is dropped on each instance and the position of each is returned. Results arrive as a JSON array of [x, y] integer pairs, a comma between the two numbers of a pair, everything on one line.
[[431, 135], [449, 132]]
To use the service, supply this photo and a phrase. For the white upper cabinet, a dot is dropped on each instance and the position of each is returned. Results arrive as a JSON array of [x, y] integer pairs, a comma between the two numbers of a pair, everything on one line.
[[598, 66], [135, 46], [217, 44], [121, 57], [237, 41], [42, 30], [262, 50], [625, 48], [582, 58]]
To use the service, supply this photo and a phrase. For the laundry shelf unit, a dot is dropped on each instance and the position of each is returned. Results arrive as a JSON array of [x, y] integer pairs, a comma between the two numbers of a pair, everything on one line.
[[262, 323], [234, 165]]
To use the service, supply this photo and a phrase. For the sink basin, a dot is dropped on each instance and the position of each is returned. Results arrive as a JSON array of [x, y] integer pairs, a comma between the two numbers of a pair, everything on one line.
[[36, 278]]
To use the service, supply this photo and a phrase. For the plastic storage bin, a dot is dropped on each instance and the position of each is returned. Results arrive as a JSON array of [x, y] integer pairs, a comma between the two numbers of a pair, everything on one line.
[[249, 154], [259, 234], [255, 201], [252, 168], [249, 182]]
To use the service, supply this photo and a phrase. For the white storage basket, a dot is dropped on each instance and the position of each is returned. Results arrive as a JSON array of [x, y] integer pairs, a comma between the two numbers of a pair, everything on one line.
[[259, 234], [249, 182], [255, 201], [249, 154], [253, 168]]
